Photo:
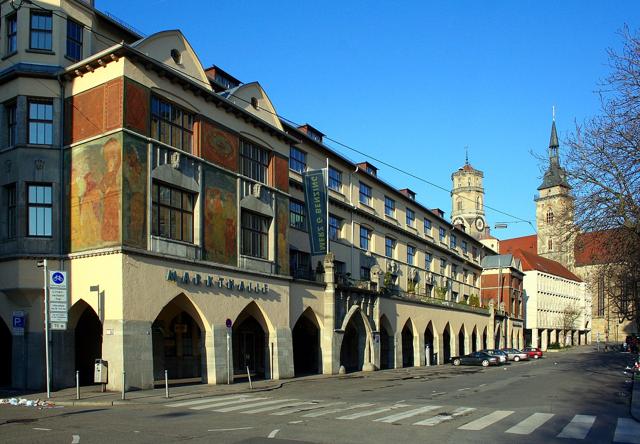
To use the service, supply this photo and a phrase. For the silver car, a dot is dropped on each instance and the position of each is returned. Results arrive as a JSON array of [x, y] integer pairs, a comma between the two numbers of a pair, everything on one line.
[[513, 354], [502, 356]]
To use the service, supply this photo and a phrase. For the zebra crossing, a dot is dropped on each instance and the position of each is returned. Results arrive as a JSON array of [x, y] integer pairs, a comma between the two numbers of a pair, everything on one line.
[[476, 419]]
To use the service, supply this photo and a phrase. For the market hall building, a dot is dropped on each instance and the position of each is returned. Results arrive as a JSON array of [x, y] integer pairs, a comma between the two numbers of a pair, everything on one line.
[[171, 195]]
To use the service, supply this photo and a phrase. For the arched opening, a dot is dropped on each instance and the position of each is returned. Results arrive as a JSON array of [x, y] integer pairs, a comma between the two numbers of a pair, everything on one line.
[[430, 344], [6, 342], [461, 340], [306, 345], [407, 345], [354, 344], [251, 343], [446, 344], [178, 346], [387, 351], [484, 339], [88, 344], [474, 340]]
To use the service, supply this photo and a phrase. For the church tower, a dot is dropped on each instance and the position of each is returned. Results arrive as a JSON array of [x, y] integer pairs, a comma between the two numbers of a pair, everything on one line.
[[554, 209], [467, 200]]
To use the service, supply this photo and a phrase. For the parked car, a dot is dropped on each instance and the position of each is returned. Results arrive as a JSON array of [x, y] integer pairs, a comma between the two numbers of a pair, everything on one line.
[[475, 358], [533, 352], [502, 357], [513, 354]]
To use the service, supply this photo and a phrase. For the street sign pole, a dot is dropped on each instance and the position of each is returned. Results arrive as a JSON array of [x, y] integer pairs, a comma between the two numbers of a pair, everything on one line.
[[46, 328]]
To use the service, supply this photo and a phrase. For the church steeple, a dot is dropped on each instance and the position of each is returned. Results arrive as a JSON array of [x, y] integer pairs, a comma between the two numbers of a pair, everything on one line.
[[553, 144], [555, 174]]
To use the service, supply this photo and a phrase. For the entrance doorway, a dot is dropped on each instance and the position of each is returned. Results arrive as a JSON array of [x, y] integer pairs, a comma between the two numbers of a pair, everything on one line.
[[251, 343], [354, 344], [6, 350], [461, 341], [387, 352], [88, 344], [306, 345], [474, 340], [446, 344], [430, 345], [407, 345]]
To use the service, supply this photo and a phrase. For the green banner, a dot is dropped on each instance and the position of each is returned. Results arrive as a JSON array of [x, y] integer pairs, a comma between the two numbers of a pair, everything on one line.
[[315, 193]]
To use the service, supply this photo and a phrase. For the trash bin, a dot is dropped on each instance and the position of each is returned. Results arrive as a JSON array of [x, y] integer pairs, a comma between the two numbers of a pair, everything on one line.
[[100, 371]]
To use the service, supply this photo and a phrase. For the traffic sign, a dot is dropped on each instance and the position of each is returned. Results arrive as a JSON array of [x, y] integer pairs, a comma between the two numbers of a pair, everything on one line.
[[58, 297], [58, 307], [57, 316], [228, 323], [58, 325], [18, 322], [57, 279]]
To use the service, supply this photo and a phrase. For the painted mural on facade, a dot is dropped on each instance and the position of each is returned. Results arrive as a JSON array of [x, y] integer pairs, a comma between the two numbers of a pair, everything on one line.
[[220, 217], [95, 193], [282, 219], [134, 171], [219, 146]]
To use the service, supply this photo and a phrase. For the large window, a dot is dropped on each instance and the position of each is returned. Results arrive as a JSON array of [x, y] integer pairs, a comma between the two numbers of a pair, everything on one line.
[[171, 124], [74, 40], [12, 127], [389, 206], [40, 207], [389, 246], [453, 241], [11, 196], [365, 194], [428, 258], [465, 247], [365, 237], [427, 227], [297, 215], [172, 213], [443, 234], [255, 235], [443, 266], [365, 273], [40, 31], [335, 227], [300, 264], [40, 122], [335, 179], [454, 272], [600, 304], [12, 33], [411, 254], [411, 217], [254, 161], [297, 160]]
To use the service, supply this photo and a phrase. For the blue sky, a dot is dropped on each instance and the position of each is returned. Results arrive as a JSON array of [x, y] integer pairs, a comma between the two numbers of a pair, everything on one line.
[[413, 83]]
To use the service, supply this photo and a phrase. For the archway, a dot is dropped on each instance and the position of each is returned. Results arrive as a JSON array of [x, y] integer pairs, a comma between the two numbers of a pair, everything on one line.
[[446, 343], [387, 349], [88, 344], [251, 343], [6, 350], [430, 344], [484, 339], [474, 339], [306, 344], [354, 344], [407, 345], [461, 341], [178, 346]]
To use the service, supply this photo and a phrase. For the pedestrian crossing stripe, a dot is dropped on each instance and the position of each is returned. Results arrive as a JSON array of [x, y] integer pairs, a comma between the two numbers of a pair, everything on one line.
[[435, 420], [530, 424], [408, 414], [486, 420], [205, 400], [267, 409], [213, 405], [328, 412], [578, 428], [250, 405]]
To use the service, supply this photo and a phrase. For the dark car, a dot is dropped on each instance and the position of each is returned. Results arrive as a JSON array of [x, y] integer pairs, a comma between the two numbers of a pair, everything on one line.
[[533, 352], [475, 358]]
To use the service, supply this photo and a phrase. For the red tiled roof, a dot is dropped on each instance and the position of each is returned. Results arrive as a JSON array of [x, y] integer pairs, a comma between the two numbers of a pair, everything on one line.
[[526, 243], [592, 248], [531, 261]]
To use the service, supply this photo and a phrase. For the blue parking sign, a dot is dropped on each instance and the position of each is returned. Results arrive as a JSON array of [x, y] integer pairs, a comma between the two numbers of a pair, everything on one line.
[[18, 322]]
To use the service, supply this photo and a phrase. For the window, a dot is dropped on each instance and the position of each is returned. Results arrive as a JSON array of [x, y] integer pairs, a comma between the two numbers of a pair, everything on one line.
[[335, 227], [39, 210], [339, 268], [297, 160], [12, 127], [443, 234], [365, 194], [459, 204], [411, 217], [255, 235], [454, 271], [172, 125], [40, 31], [453, 241], [297, 215], [411, 254], [389, 246], [443, 266], [600, 304], [428, 258], [12, 33], [40, 122], [254, 161], [427, 226], [172, 213], [474, 252], [365, 237], [365, 273], [478, 203], [389, 206], [465, 247], [300, 264], [550, 217], [12, 214], [550, 244], [335, 179], [74, 40]]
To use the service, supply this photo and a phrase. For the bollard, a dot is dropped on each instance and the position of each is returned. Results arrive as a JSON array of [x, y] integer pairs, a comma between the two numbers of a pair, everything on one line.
[[166, 384], [249, 376], [77, 384], [124, 379]]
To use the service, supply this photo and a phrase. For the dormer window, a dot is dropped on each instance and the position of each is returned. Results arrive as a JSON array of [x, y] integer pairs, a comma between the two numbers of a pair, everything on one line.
[[254, 102], [176, 56]]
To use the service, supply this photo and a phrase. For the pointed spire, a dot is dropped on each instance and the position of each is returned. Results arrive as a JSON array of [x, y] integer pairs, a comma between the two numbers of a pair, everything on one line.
[[466, 154], [553, 141]]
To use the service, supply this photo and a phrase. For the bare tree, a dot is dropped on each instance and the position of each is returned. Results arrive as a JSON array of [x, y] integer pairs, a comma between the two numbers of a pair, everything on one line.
[[570, 316], [603, 167]]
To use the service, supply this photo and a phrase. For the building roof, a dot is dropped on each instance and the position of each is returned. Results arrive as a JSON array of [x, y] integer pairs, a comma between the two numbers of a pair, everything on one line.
[[555, 174], [594, 247], [500, 261], [531, 261], [525, 243]]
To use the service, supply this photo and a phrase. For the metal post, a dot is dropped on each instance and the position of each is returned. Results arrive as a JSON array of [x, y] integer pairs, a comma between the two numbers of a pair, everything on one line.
[[427, 352], [271, 351], [249, 376], [166, 384], [77, 384], [229, 363], [124, 380], [46, 328]]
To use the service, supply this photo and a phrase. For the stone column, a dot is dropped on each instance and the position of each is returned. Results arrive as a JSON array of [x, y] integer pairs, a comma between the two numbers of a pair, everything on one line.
[[282, 353], [397, 338], [329, 342], [534, 338], [544, 343], [553, 337], [128, 347], [419, 354], [219, 361]]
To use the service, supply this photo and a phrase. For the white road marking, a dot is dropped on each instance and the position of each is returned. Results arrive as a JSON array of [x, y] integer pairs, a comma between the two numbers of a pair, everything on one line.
[[578, 428], [276, 407], [306, 408], [230, 430], [327, 412], [295, 422], [251, 405], [528, 425], [75, 439], [42, 429], [466, 388], [628, 431], [487, 420], [205, 400], [372, 412], [407, 414], [220, 404], [438, 393], [273, 434], [435, 420]]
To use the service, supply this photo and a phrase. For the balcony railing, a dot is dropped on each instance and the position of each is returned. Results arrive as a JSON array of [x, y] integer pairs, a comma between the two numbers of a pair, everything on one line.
[[256, 264], [303, 273]]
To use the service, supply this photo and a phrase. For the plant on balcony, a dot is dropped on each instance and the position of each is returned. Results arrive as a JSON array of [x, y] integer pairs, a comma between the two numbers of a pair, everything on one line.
[[474, 300], [441, 292], [412, 287]]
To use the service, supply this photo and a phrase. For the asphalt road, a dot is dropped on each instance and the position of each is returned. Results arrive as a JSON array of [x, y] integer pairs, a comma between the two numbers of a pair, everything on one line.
[[573, 396]]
